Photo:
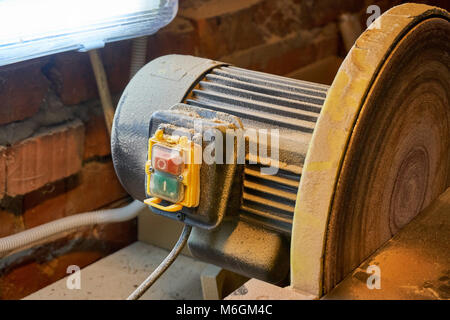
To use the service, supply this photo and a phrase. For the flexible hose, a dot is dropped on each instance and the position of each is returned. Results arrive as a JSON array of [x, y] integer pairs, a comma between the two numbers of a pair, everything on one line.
[[164, 265], [46, 230], [138, 55]]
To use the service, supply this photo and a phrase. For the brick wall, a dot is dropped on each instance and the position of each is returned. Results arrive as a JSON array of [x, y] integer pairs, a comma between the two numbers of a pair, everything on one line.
[[54, 151]]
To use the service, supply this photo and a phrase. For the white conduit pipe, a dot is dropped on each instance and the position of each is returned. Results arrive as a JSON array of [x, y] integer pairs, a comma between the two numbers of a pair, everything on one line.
[[24, 238]]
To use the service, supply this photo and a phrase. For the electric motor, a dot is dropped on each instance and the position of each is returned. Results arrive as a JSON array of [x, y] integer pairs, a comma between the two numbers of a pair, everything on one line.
[[328, 174]]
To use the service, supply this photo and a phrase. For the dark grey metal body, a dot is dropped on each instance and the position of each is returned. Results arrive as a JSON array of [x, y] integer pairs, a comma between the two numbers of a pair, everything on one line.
[[254, 240]]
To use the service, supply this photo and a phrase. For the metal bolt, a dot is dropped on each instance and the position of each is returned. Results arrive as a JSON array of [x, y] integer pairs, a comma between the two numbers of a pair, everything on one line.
[[180, 216], [180, 177]]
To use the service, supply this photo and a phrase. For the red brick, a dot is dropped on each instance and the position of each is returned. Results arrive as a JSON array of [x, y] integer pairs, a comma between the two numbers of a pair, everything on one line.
[[320, 13], [279, 18], [117, 235], [34, 274], [56, 269], [84, 192], [2, 171], [72, 77], [25, 275], [10, 223], [116, 60], [178, 37], [45, 205], [285, 55], [44, 158], [47, 263], [97, 142], [21, 281], [97, 187], [223, 27], [22, 90]]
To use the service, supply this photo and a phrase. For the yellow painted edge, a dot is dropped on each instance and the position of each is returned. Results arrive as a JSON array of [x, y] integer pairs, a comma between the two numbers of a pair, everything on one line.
[[155, 202]]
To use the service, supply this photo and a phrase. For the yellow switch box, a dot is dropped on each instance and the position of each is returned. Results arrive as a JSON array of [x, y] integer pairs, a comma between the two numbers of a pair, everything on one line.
[[172, 173]]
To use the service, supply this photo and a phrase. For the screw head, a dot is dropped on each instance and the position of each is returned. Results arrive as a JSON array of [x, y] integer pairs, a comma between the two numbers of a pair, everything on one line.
[[180, 216]]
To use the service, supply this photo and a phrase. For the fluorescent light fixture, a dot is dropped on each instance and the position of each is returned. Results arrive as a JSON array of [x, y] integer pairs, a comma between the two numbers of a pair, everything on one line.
[[35, 28]]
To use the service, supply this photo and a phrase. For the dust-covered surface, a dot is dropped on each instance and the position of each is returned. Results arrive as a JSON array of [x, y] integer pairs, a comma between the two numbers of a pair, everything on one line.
[[259, 290], [415, 264], [118, 275]]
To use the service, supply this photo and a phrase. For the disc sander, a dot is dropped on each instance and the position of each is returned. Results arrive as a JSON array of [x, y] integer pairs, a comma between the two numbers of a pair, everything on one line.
[[380, 152]]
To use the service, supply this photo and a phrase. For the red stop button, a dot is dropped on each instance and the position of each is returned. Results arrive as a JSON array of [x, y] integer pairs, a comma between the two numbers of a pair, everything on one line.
[[167, 160]]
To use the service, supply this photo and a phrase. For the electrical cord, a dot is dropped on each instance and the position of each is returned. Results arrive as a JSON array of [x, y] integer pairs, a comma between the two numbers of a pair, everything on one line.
[[164, 265]]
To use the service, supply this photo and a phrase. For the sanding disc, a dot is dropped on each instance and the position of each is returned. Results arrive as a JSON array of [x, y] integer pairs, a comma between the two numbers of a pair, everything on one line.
[[381, 150]]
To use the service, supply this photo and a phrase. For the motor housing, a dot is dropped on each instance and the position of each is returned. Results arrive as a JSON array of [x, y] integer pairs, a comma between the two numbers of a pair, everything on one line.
[[253, 237]]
